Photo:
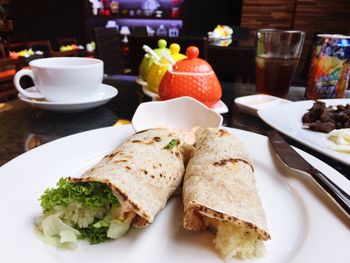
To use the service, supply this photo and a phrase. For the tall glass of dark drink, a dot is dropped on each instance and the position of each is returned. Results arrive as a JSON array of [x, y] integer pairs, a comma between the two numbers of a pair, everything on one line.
[[277, 54]]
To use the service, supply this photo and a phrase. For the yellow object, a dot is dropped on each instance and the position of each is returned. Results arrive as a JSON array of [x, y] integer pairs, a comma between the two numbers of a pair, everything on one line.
[[159, 68], [147, 60], [222, 31], [121, 122], [68, 48], [22, 53], [156, 74], [30, 52], [175, 52], [5, 107]]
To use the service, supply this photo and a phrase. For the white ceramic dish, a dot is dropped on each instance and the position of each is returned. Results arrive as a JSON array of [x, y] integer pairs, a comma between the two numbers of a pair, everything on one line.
[[287, 119], [180, 113], [252, 103], [220, 107], [105, 94], [212, 38], [222, 42], [139, 80], [305, 226]]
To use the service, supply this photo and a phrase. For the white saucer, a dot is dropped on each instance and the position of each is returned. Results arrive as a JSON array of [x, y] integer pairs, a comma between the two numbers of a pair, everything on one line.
[[105, 94], [220, 107], [252, 103], [211, 38], [139, 80]]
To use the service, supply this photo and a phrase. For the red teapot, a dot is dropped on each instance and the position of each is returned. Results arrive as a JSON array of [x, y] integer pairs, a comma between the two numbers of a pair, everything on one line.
[[192, 77]]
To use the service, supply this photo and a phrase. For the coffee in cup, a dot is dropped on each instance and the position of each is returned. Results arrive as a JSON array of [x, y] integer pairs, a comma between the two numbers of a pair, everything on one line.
[[63, 79]]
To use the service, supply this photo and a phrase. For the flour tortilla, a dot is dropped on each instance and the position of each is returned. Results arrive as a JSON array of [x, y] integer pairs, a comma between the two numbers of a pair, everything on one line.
[[141, 173], [219, 185]]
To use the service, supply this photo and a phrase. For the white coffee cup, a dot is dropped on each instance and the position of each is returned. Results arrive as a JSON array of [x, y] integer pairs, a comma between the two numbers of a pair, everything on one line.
[[63, 79]]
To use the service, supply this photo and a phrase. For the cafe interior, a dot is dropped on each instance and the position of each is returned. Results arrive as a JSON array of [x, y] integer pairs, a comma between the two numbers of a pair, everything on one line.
[[242, 106]]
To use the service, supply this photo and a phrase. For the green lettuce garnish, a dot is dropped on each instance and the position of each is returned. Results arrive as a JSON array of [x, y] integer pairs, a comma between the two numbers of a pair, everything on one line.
[[100, 231], [89, 194], [118, 228], [93, 201], [95, 235], [171, 144]]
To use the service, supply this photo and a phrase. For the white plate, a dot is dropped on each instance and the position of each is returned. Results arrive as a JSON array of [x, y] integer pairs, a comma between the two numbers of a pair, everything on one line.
[[252, 103], [287, 119], [305, 226], [211, 38], [105, 94], [220, 107]]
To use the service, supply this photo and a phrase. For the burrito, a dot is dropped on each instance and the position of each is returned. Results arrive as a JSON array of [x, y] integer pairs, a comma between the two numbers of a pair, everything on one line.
[[129, 186], [219, 193]]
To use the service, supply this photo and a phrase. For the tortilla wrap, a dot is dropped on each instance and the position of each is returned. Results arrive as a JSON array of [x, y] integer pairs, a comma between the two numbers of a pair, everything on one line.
[[141, 173], [219, 185]]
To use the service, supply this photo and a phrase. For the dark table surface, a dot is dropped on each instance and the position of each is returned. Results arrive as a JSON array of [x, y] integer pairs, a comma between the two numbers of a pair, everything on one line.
[[231, 43], [23, 127]]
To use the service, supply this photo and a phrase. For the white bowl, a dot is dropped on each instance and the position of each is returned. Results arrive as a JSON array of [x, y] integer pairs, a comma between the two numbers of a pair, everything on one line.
[[180, 113]]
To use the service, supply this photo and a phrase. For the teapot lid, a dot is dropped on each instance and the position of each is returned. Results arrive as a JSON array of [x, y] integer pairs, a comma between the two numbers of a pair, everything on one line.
[[192, 63], [175, 52], [161, 47]]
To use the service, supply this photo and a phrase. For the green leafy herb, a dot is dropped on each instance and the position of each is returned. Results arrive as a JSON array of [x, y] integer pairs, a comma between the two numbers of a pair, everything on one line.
[[89, 194], [94, 234], [171, 144], [104, 229]]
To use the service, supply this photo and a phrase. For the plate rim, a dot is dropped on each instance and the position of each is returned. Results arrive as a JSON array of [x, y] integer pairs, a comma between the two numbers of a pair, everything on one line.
[[114, 92]]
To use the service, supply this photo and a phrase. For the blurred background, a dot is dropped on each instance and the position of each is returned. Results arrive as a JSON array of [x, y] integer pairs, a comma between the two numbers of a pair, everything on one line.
[[62, 22]]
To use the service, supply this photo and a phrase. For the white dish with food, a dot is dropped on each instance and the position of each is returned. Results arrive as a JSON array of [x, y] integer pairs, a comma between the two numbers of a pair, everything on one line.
[[212, 38], [297, 211], [287, 119]]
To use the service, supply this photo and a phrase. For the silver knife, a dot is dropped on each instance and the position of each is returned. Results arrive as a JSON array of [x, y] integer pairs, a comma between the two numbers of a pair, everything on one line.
[[295, 161]]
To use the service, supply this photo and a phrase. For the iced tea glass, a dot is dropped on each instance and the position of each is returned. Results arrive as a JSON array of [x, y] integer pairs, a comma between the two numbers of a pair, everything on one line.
[[277, 54]]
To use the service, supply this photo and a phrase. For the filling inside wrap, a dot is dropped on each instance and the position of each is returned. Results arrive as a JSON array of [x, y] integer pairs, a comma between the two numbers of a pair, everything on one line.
[[233, 240]]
